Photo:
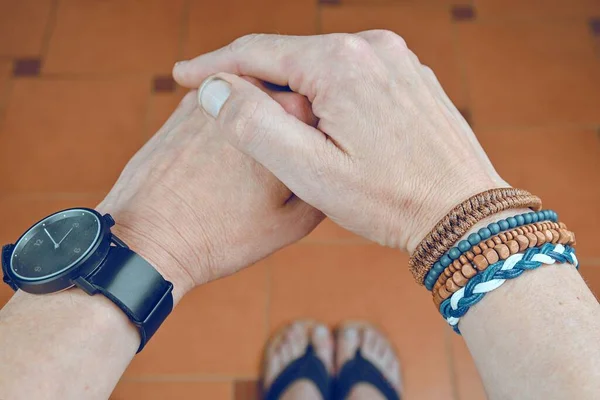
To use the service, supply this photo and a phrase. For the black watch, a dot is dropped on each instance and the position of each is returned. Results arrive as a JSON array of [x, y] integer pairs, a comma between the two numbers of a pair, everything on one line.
[[75, 247]]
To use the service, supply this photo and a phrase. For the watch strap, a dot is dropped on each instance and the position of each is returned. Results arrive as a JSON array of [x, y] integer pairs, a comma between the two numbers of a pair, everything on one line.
[[135, 286]]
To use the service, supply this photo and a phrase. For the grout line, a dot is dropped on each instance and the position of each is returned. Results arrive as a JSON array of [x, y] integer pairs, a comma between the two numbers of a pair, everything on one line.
[[318, 18], [187, 378], [269, 285], [50, 24], [185, 26], [451, 364]]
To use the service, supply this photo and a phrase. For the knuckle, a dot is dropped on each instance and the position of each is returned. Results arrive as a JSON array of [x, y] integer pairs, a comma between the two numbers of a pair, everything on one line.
[[388, 38], [351, 46], [243, 41]]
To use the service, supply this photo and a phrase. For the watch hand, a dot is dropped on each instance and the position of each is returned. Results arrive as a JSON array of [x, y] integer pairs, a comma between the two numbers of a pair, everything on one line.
[[64, 237], [55, 244]]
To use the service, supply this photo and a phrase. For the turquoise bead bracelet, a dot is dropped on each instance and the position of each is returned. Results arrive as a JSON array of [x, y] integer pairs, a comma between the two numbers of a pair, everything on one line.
[[483, 234]]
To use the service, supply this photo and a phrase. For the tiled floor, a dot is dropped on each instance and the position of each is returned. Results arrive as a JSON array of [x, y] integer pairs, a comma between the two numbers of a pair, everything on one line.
[[83, 83]]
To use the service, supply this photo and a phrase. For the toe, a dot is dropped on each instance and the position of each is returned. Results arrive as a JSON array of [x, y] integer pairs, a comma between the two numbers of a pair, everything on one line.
[[347, 342], [323, 344], [378, 350]]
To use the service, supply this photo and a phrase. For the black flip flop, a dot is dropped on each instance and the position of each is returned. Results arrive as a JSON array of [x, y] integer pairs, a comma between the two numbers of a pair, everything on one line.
[[308, 367], [360, 370]]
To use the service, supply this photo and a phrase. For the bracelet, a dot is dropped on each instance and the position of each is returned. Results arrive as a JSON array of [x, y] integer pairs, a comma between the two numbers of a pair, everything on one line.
[[459, 273], [495, 275], [483, 234], [507, 243], [462, 218]]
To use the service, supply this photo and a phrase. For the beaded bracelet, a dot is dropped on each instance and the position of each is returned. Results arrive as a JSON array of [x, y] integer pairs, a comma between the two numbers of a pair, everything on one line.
[[537, 234], [462, 218], [495, 275], [483, 234], [509, 242]]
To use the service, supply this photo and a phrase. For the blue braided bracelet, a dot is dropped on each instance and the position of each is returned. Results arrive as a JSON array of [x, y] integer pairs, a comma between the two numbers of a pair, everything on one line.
[[495, 275], [483, 234]]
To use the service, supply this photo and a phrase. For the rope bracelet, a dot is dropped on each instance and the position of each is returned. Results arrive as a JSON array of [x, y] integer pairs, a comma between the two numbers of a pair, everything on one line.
[[495, 275], [481, 236], [461, 219], [498, 248]]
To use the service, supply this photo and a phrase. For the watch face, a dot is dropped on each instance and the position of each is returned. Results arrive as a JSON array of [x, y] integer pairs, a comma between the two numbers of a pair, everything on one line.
[[55, 244]]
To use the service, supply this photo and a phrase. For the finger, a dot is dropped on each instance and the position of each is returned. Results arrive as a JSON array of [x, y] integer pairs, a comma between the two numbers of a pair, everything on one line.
[[295, 61], [267, 57], [258, 126], [293, 103]]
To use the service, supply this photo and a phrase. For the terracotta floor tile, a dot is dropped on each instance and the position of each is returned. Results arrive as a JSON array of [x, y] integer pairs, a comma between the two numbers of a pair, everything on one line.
[[335, 283], [567, 184], [246, 390], [22, 26], [160, 109], [172, 390], [115, 36], [496, 9], [591, 274], [329, 232], [218, 329], [531, 73], [428, 31], [468, 383], [5, 71], [214, 24], [70, 136]]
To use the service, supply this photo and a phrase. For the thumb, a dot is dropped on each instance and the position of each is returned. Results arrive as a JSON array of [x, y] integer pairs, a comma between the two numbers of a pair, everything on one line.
[[257, 125]]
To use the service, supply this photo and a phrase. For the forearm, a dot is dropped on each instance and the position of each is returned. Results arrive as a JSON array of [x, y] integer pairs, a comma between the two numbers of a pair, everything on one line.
[[69, 345], [537, 336], [65, 345]]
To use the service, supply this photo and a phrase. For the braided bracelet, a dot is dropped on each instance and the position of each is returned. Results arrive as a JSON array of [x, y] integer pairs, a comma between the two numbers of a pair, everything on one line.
[[495, 275], [483, 234], [497, 248], [462, 218], [461, 277]]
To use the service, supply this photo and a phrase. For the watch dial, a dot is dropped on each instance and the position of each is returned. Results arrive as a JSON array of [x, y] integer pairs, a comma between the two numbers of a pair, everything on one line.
[[55, 244]]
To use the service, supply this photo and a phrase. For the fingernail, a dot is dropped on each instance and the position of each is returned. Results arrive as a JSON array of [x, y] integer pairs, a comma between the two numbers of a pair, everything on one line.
[[213, 94], [180, 63], [321, 331]]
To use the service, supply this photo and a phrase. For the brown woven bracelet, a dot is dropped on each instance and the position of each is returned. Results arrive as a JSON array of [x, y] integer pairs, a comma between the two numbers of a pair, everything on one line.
[[533, 235], [462, 218]]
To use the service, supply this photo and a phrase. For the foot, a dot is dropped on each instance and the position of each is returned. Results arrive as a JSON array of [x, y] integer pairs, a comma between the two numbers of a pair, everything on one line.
[[375, 348], [289, 345]]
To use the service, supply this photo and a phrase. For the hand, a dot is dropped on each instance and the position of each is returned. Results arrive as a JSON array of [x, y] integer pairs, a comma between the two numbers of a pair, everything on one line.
[[391, 155], [198, 209]]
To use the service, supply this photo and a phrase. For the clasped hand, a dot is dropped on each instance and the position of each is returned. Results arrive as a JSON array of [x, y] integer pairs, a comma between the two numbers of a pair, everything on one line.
[[365, 135]]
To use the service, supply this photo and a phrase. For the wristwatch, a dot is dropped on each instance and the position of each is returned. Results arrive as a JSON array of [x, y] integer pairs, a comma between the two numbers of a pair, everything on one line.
[[75, 247]]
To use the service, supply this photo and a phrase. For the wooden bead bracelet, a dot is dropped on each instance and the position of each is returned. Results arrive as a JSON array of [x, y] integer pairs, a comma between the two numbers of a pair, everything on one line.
[[497, 248], [483, 234], [462, 218]]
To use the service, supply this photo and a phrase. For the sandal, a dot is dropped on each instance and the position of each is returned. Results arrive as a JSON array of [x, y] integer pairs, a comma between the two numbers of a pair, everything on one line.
[[307, 367], [360, 370]]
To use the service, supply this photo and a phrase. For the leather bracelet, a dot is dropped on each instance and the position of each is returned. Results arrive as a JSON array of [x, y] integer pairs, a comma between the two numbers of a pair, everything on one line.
[[496, 249], [461, 219]]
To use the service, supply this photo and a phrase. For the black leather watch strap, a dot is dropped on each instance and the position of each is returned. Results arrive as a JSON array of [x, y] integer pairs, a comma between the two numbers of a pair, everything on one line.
[[135, 286]]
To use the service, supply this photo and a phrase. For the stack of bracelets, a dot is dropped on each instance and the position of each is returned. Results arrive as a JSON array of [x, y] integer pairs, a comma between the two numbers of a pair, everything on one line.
[[460, 273]]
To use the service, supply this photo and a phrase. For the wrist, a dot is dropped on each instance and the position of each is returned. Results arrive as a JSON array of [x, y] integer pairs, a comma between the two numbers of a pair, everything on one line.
[[164, 252], [438, 206]]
